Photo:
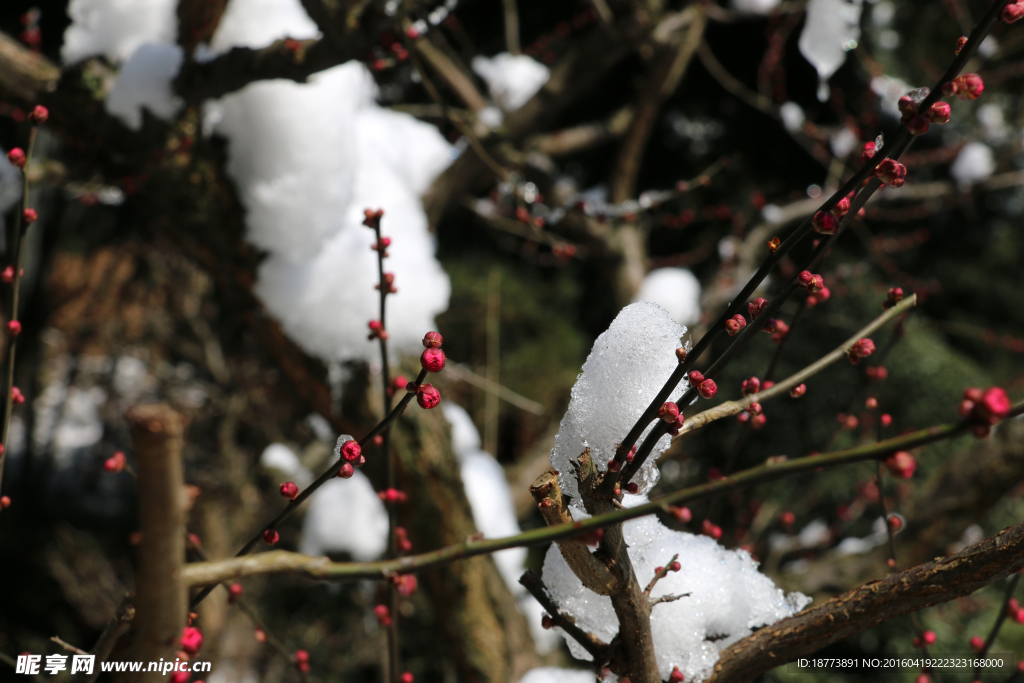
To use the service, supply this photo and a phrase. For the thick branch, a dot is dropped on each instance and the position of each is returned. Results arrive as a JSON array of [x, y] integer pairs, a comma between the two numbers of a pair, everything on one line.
[[24, 75], [161, 598], [876, 601]]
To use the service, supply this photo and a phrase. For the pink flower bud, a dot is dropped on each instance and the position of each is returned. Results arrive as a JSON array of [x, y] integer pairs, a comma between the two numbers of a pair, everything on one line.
[[891, 172], [5, 502], [632, 488], [14, 327], [960, 43], [29, 216], [868, 153], [383, 615], [977, 643], [824, 223], [805, 278], [928, 637], [860, 350], [894, 297], [669, 412], [918, 125], [895, 522], [114, 463], [680, 354], [781, 330], [756, 306], [902, 464], [758, 421], [885, 419], [271, 537], [708, 388], [8, 274], [750, 386], [710, 529], [432, 340], [351, 450], [402, 539], [939, 112], [787, 518], [798, 391], [371, 218], [696, 377], [950, 87], [676, 676], [16, 396], [907, 104], [682, 514], [406, 585], [17, 157], [290, 490], [614, 465], [969, 87], [755, 408], [406, 676], [191, 640], [841, 208], [346, 471], [432, 360], [993, 406], [734, 324], [428, 397], [235, 591], [39, 115]]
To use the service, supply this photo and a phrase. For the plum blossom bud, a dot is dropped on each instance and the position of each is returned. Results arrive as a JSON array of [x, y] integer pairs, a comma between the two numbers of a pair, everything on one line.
[[710, 529], [868, 153], [894, 297], [993, 406], [406, 584], [349, 450], [14, 327], [696, 377], [8, 274], [114, 463], [346, 471], [960, 43], [633, 488], [939, 112], [781, 330], [787, 518], [428, 397], [1012, 12], [805, 278], [876, 373], [928, 637], [774, 245], [756, 306], [969, 87], [841, 208], [885, 419], [17, 157], [820, 296], [750, 386], [860, 350], [669, 412], [383, 615], [681, 354], [271, 537], [682, 514], [614, 465], [676, 676], [289, 490], [770, 326], [824, 223], [39, 115], [918, 125], [798, 391], [371, 218], [235, 591], [547, 623], [406, 676], [402, 541], [755, 408], [895, 522], [907, 104], [891, 172], [902, 464], [708, 388], [191, 640], [432, 360], [17, 398], [29, 216], [432, 340], [734, 324], [977, 643]]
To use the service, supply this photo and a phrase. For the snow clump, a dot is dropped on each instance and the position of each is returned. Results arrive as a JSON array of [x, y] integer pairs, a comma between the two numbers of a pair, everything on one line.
[[511, 79], [677, 290]]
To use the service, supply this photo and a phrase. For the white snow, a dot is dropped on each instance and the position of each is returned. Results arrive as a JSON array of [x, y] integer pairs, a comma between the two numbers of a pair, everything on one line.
[[116, 28], [258, 23], [890, 89], [677, 290], [465, 437], [279, 457], [345, 515], [511, 79], [728, 597], [305, 185], [145, 81], [755, 6], [792, 115], [974, 163], [553, 674], [843, 142], [10, 184], [830, 31], [627, 366]]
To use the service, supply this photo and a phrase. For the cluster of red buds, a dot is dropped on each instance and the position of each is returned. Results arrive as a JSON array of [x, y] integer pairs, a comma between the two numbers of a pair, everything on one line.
[[1015, 611], [734, 324], [827, 222], [432, 360], [393, 496], [901, 464], [894, 297], [710, 529], [985, 407], [271, 537], [377, 330], [402, 541], [383, 615], [755, 308], [966, 87], [750, 386], [382, 244], [191, 640], [674, 567], [349, 450], [815, 285], [860, 350], [371, 218], [917, 121], [114, 463], [302, 661], [1012, 12], [891, 172], [389, 282], [405, 584], [706, 387], [670, 413], [925, 639]]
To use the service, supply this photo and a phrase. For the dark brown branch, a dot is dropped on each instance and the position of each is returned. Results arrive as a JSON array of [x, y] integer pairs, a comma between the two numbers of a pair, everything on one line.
[[112, 632], [590, 642], [873, 603], [161, 598], [24, 74]]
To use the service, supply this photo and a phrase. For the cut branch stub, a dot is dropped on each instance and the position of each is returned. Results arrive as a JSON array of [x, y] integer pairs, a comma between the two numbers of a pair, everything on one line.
[[587, 568]]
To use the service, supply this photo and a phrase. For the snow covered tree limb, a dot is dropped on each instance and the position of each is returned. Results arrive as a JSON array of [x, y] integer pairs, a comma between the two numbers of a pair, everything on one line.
[[161, 599], [927, 584], [593, 645], [282, 562], [735, 407]]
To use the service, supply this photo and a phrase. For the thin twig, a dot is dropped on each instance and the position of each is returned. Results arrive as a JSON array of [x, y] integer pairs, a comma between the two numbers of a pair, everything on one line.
[[590, 642], [659, 575], [68, 646], [668, 598], [1011, 588]]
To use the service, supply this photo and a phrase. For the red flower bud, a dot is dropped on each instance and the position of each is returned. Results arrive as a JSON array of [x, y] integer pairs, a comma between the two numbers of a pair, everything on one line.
[[977, 643], [383, 615], [301, 656], [16, 396], [614, 465], [798, 391], [547, 622], [824, 223], [750, 386], [234, 592], [14, 327], [682, 514], [1012, 12], [907, 104], [696, 377], [805, 278], [712, 530], [432, 359], [969, 87], [271, 537], [755, 408], [406, 676], [29, 216], [289, 490], [939, 112], [39, 115], [191, 640], [960, 43], [734, 324], [633, 488], [885, 419], [918, 125], [868, 153], [432, 340], [895, 522], [427, 396], [402, 539], [680, 354], [17, 157], [993, 406], [346, 471], [891, 172], [669, 412], [406, 585], [676, 676], [114, 463], [902, 464], [351, 450], [371, 218], [860, 350], [928, 637], [708, 388], [756, 306], [787, 518], [8, 274], [841, 208]]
